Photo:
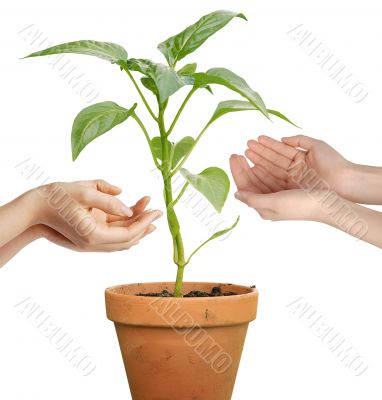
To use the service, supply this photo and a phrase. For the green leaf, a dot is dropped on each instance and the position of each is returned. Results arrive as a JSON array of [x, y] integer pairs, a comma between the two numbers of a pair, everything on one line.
[[94, 121], [214, 236], [182, 148], [239, 105], [186, 75], [149, 84], [279, 115], [188, 69], [165, 78], [225, 77], [228, 106], [179, 46], [107, 51], [156, 145], [213, 183], [224, 231]]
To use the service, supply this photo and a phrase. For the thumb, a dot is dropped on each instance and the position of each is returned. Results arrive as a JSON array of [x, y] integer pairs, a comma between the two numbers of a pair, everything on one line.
[[302, 141], [252, 199], [109, 204]]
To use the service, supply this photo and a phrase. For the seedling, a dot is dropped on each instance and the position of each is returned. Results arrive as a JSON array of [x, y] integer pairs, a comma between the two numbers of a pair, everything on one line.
[[162, 81]]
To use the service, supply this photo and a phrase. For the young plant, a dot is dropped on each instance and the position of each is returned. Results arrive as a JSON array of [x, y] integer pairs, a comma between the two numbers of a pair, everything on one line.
[[163, 81]]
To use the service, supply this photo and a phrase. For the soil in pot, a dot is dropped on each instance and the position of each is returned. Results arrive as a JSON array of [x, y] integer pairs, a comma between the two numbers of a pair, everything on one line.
[[216, 291]]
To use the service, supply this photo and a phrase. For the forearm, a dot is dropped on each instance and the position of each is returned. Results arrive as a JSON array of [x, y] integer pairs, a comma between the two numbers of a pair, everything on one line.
[[364, 184], [359, 221], [16, 217], [10, 249]]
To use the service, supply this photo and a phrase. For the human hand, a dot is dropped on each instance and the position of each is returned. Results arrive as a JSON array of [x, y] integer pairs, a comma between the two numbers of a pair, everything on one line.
[[270, 196], [86, 216], [301, 161], [304, 162]]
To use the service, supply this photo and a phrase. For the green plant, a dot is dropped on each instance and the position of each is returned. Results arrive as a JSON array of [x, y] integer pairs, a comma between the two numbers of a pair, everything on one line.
[[163, 81]]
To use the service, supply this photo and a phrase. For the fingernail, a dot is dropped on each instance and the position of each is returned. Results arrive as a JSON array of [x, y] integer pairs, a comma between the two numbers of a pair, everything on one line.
[[238, 195], [157, 215], [127, 211]]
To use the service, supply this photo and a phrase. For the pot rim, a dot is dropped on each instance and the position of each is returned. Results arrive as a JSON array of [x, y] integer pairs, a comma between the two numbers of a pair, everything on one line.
[[251, 290], [130, 309]]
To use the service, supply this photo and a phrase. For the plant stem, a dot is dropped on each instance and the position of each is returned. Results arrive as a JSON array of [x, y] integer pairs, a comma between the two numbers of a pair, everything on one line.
[[181, 193], [193, 90], [178, 255], [126, 69], [178, 292]]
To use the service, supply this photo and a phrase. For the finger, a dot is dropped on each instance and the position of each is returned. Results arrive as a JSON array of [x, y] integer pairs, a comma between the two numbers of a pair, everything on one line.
[[302, 141], [141, 205], [269, 154], [276, 171], [241, 179], [150, 229], [254, 200], [279, 147], [106, 187], [275, 185], [257, 184], [109, 248], [107, 203], [115, 234], [128, 221], [137, 209]]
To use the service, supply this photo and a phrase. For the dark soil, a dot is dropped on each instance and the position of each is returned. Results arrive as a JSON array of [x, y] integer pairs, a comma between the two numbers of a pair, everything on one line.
[[215, 292]]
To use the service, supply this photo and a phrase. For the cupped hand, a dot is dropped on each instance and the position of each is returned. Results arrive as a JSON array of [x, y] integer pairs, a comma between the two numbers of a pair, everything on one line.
[[86, 216], [269, 195], [301, 162]]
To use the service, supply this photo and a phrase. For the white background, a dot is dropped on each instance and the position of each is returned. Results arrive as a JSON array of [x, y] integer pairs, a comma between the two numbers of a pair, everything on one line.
[[338, 276]]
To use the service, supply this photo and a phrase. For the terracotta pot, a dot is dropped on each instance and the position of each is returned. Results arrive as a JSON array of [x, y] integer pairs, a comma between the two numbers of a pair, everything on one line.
[[181, 348]]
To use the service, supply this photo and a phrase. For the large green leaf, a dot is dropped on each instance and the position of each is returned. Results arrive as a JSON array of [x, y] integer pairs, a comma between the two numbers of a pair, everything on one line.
[[182, 148], [179, 46], [165, 78], [239, 105], [225, 77], [94, 121], [107, 51], [213, 183]]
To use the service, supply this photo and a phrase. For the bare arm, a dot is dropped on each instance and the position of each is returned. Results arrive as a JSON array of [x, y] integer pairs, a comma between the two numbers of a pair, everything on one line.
[[16, 217], [10, 249]]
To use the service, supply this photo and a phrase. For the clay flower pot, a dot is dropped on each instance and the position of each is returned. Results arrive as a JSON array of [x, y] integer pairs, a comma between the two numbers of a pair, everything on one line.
[[181, 348]]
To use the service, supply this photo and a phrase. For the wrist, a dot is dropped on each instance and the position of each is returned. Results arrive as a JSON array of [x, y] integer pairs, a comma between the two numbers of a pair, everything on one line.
[[40, 199], [346, 184], [317, 205], [362, 184], [34, 201]]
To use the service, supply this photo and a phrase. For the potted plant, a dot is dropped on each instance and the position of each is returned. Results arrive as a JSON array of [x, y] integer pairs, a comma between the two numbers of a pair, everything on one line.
[[179, 340]]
